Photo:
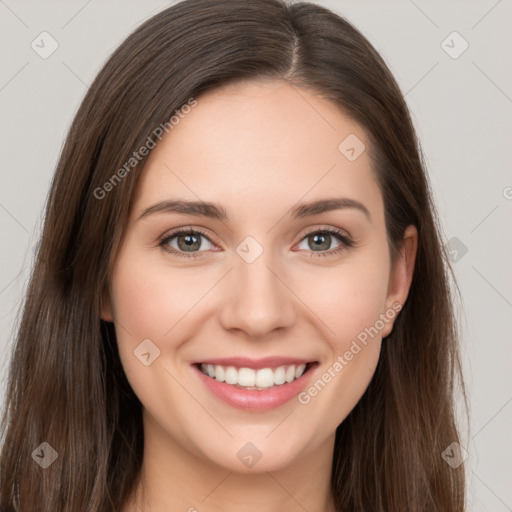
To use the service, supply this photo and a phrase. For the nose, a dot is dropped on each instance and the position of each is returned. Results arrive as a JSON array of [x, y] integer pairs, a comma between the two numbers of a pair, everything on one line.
[[259, 300]]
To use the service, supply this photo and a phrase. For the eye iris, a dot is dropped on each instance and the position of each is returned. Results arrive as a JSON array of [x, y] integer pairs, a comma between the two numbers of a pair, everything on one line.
[[320, 241], [190, 242]]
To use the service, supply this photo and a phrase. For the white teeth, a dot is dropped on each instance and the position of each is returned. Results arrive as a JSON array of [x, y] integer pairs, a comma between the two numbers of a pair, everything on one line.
[[220, 373], [231, 375], [280, 376], [246, 377], [257, 379], [264, 378], [300, 370], [290, 374]]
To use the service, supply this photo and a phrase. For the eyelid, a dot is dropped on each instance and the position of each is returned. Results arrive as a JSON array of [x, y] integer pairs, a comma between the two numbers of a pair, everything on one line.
[[325, 228], [189, 229]]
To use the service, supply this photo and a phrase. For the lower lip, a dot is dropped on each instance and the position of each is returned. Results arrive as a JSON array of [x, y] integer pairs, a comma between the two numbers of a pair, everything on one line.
[[254, 400]]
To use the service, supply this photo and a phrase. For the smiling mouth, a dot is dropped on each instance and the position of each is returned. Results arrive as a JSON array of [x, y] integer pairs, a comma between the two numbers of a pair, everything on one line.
[[255, 379]]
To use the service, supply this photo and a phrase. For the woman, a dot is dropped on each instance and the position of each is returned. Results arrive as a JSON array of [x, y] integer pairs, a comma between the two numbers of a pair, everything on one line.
[[240, 298]]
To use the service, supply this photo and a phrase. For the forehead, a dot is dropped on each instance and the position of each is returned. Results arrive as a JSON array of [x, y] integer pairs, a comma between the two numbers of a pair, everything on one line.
[[259, 143]]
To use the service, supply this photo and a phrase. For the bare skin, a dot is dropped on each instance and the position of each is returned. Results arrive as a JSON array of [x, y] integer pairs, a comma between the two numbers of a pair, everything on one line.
[[257, 150]]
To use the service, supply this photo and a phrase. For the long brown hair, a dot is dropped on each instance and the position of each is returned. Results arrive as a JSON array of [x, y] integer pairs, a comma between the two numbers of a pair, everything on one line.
[[66, 384]]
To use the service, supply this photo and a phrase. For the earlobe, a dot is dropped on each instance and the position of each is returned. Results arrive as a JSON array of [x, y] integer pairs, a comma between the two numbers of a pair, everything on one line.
[[401, 274]]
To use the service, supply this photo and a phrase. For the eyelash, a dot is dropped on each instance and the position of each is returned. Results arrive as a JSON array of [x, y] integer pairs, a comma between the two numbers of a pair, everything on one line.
[[346, 242]]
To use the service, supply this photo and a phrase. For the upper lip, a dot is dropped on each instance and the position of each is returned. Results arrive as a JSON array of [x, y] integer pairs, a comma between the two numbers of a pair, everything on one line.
[[255, 364]]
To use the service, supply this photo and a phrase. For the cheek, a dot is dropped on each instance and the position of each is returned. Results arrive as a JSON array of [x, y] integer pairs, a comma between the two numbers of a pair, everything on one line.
[[349, 298], [351, 305], [149, 301], [152, 303]]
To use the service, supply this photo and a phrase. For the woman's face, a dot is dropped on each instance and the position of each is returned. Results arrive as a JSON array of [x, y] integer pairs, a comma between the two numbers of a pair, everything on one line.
[[268, 277]]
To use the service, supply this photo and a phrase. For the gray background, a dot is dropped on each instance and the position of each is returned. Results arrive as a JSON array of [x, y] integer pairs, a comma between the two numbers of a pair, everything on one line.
[[462, 110]]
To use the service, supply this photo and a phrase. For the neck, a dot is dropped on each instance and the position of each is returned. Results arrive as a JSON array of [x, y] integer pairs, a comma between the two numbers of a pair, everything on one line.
[[172, 478]]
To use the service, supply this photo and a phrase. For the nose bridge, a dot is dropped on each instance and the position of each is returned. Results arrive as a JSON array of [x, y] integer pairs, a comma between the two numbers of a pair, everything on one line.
[[258, 301]]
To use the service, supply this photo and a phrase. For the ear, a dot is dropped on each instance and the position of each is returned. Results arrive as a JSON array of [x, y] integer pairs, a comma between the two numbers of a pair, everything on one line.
[[401, 275], [106, 306]]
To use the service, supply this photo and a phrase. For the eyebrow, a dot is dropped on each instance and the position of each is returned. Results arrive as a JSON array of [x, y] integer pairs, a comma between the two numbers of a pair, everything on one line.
[[214, 211]]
